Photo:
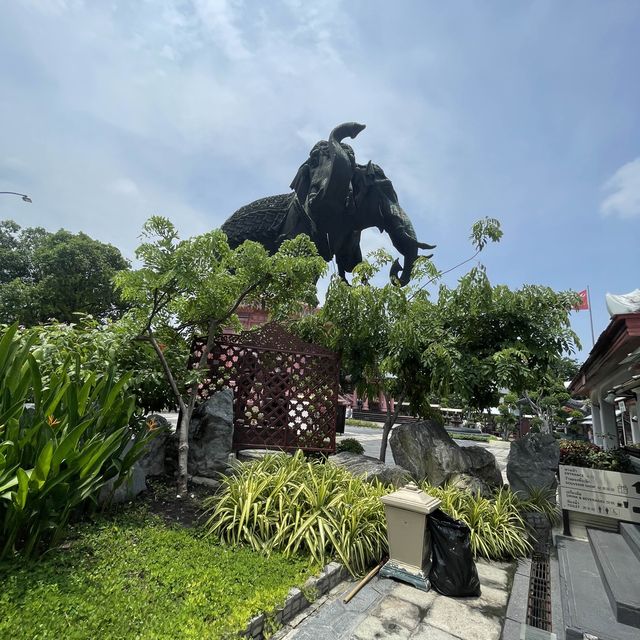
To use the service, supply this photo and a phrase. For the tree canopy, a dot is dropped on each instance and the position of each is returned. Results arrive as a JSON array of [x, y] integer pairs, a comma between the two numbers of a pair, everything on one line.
[[473, 340], [47, 275], [193, 287]]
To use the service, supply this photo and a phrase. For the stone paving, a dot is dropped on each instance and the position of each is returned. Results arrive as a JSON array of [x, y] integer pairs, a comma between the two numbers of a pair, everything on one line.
[[392, 610]]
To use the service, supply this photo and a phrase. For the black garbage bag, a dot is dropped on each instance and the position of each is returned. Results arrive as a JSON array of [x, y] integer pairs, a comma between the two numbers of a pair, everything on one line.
[[453, 572]]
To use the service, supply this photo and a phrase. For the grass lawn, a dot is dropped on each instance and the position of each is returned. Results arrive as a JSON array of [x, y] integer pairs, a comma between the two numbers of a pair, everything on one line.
[[134, 576]]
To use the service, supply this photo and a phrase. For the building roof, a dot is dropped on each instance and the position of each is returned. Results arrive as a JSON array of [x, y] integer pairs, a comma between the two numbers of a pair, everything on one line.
[[616, 350]]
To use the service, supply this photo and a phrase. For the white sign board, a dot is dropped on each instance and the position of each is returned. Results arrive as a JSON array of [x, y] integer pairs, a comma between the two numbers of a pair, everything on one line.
[[606, 493]]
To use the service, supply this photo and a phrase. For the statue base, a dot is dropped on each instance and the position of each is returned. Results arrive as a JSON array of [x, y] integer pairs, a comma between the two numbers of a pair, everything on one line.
[[417, 579]]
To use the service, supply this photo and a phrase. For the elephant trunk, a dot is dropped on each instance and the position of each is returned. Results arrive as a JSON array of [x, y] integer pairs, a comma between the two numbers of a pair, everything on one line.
[[403, 238]]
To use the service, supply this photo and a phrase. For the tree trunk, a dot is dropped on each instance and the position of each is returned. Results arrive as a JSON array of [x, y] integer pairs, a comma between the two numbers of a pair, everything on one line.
[[392, 416], [183, 452]]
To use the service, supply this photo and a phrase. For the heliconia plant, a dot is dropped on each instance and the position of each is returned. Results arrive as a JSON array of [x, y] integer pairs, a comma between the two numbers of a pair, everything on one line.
[[59, 444]]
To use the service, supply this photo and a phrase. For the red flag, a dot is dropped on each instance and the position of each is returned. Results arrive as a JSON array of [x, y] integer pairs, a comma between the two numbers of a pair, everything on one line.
[[583, 305]]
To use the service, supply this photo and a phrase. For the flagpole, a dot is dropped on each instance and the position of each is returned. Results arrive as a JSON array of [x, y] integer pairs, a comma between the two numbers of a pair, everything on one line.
[[593, 337]]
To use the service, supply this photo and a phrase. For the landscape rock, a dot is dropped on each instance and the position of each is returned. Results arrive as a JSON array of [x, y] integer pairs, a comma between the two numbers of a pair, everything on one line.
[[358, 465], [211, 435], [470, 483], [129, 489], [252, 455], [153, 460], [428, 452], [533, 463]]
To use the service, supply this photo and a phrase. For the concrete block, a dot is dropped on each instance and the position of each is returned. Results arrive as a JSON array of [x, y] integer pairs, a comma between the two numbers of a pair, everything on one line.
[[427, 632], [519, 598], [492, 576], [511, 630], [462, 621], [422, 599], [399, 612], [374, 629]]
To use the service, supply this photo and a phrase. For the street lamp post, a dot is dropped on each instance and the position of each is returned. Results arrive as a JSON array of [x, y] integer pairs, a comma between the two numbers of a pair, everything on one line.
[[14, 193]]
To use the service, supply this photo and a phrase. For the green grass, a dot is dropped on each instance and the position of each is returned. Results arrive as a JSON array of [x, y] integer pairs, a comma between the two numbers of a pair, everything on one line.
[[352, 422], [132, 576]]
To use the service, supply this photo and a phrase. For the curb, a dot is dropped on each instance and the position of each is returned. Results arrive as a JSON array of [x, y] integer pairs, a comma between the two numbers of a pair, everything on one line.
[[332, 575]]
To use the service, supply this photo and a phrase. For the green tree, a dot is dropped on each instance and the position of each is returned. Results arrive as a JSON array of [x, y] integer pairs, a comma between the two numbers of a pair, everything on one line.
[[55, 275], [99, 346], [473, 341], [549, 399], [389, 337], [495, 338], [194, 287]]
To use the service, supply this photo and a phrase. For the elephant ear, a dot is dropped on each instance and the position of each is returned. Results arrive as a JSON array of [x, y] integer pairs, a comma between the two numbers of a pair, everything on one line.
[[302, 182], [364, 180]]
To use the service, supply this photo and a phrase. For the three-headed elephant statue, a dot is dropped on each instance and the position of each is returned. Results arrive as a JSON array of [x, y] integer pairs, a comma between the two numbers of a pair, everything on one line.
[[333, 201]]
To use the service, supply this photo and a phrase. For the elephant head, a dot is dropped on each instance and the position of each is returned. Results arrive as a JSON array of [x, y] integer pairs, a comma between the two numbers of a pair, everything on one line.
[[376, 205], [322, 183]]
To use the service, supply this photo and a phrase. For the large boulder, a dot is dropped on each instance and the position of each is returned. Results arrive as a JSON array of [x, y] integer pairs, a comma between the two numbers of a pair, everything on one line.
[[533, 463], [211, 435], [372, 469], [427, 451], [152, 461]]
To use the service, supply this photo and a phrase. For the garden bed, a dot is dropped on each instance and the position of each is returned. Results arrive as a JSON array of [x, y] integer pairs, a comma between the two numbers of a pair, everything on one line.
[[133, 575]]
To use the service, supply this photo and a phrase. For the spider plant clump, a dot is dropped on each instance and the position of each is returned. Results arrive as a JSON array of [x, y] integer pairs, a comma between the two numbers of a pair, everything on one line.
[[298, 506], [498, 529], [542, 500]]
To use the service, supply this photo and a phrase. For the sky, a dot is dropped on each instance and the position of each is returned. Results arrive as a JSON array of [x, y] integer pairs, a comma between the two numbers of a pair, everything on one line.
[[113, 111]]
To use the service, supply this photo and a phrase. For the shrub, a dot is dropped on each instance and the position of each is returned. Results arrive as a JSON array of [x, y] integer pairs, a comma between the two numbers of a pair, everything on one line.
[[542, 500], [292, 505], [351, 445], [497, 527], [467, 436], [57, 454], [353, 422], [577, 453]]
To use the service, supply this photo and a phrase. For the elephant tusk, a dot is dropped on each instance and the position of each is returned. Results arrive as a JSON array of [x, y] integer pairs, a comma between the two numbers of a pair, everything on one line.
[[424, 245]]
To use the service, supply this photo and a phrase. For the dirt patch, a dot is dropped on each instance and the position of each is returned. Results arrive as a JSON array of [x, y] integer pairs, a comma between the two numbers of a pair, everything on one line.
[[188, 510]]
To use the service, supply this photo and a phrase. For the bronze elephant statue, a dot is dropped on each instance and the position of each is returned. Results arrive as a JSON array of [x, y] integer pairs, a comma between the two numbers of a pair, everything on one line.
[[333, 201]]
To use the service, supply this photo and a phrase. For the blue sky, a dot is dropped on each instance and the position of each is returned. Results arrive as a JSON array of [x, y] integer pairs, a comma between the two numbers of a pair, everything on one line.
[[528, 112]]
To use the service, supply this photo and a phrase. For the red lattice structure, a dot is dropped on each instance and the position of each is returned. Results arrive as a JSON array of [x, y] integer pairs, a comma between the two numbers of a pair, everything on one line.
[[285, 389]]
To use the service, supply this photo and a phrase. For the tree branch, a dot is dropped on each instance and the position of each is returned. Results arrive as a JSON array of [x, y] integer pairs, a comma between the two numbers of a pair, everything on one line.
[[167, 370]]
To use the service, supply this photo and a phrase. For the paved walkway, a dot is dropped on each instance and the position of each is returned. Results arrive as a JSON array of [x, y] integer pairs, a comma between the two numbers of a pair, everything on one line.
[[390, 610]]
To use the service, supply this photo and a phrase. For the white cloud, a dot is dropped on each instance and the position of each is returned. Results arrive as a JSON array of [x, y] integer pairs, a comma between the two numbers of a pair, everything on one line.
[[624, 192]]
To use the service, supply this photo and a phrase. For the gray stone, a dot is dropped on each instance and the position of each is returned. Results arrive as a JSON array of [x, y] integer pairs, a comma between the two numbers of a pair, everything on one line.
[[251, 455], [211, 435], [429, 453], [400, 612], [153, 459], [133, 485], [374, 629], [462, 621], [492, 576], [372, 469], [533, 462], [470, 483], [210, 483], [585, 605]]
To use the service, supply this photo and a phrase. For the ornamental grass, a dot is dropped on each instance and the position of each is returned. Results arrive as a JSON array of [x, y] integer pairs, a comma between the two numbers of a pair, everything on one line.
[[298, 506]]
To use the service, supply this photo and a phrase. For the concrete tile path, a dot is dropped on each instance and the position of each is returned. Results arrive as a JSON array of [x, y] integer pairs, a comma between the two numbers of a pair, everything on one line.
[[386, 609]]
